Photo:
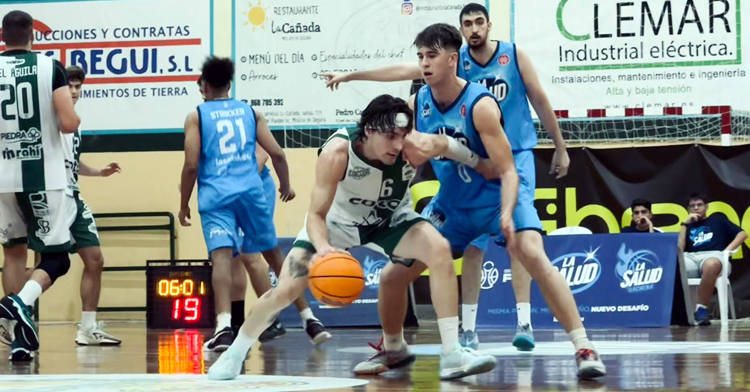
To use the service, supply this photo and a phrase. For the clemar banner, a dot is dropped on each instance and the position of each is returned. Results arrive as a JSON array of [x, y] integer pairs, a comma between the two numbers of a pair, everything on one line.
[[593, 54]]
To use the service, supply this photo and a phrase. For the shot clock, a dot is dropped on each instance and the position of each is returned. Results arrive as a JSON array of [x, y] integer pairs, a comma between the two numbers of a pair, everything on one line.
[[179, 295]]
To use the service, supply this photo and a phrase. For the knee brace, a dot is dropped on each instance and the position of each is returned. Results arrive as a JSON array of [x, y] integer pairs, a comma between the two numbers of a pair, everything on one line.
[[55, 264]]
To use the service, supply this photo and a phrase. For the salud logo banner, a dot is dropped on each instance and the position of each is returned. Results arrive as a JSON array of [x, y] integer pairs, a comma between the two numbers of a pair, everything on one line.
[[624, 280]]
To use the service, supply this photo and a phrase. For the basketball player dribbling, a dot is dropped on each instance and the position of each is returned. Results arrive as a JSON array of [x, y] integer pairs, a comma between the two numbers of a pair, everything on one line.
[[368, 163], [220, 142], [467, 206], [257, 269], [509, 74]]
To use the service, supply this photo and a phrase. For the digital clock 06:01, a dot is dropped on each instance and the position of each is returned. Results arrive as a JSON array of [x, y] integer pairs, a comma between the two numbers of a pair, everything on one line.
[[179, 295]]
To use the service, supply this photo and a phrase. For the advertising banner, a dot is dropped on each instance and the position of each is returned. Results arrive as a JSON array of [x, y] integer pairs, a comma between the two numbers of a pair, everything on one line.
[[645, 54], [142, 58], [624, 280], [282, 46]]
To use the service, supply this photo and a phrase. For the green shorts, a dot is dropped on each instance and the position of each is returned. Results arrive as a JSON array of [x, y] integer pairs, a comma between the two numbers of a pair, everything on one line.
[[381, 238], [40, 219], [83, 231]]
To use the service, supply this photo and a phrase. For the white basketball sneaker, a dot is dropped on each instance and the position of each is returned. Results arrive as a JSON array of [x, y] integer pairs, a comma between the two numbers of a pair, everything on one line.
[[95, 336], [227, 367]]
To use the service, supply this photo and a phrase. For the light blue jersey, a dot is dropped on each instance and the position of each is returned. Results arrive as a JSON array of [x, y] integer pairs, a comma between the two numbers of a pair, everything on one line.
[[460, 185], [228, 167], [231, 194], [467, 206], [502, 77]]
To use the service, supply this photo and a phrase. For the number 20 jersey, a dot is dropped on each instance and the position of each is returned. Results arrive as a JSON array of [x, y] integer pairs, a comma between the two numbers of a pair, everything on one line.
[[227, 168], [460, 186], [502, 76], [32, 156]]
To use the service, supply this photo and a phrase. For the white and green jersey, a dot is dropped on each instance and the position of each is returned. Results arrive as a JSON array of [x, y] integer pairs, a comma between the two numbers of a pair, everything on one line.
[[370, 193], [31, 146], [72, 144]]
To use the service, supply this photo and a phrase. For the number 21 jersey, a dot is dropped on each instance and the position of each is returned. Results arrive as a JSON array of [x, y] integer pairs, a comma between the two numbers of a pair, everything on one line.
[[227, 168]]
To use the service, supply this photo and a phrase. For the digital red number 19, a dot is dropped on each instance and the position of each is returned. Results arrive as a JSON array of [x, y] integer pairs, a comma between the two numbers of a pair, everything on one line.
[[191, 306]]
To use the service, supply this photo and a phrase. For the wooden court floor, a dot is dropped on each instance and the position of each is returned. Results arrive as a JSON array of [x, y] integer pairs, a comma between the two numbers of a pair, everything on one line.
[[678, 358]]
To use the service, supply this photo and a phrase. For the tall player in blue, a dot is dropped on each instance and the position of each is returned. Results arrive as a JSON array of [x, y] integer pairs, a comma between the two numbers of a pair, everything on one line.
[[509, 74], [220, 143], [467, 206]]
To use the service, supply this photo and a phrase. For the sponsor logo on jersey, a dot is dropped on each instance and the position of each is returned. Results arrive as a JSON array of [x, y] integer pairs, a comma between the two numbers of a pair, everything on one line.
[[463, 110], [359, 173], [503, 60], [426, 110], [28, 153], [467, 65], [490, 275], [28, 136], [383, 204], [580, 269], [638, 270]]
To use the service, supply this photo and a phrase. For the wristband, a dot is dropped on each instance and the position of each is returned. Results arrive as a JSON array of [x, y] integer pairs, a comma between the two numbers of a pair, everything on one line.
[[462, 154]]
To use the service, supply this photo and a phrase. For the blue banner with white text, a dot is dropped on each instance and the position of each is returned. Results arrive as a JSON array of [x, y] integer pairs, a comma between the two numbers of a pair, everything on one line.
[[618, 280]]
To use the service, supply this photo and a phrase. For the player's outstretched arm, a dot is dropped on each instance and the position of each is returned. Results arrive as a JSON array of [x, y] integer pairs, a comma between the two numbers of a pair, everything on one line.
[[329, 170], [268, 143], [421, 147], [487, 118], [543, 109], [389, 73], [190, 166]]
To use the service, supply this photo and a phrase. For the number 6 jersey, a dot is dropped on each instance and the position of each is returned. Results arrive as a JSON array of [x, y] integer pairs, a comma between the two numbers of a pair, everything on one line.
[[32, 155]]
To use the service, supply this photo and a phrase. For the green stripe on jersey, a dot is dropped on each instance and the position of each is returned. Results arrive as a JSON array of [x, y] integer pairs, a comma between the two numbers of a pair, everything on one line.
[[29, 117]]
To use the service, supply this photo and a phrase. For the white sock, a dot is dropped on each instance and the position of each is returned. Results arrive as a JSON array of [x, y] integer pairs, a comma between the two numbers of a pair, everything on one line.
[[393, 342], [241, 345], [524, 313], [88, 320], [30, 292], [469, 316], [306, 314], [580, 340], [223, 320], [698, 306], [448, 333]]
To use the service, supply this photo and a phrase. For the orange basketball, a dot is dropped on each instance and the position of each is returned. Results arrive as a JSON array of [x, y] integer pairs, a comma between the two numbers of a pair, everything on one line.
[[336, 279]]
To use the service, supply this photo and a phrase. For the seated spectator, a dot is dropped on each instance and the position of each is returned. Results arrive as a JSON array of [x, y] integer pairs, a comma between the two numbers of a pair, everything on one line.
[[703, 239], [642, 218]]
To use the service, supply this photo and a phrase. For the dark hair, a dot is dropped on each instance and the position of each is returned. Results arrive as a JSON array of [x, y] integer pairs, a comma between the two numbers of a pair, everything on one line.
[[642, 203], [439, 36], [75, 73], [17, 27], [473, 8], [698, 196], [380, 115], [217, 72]]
